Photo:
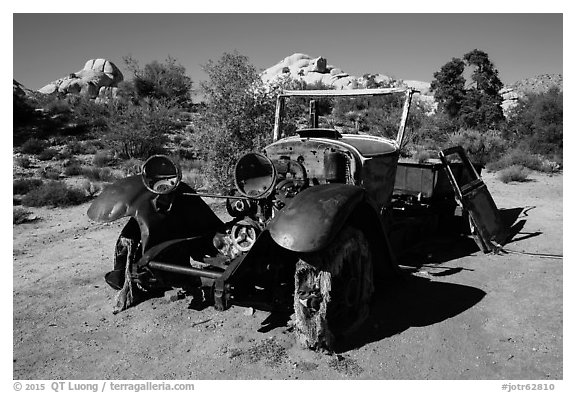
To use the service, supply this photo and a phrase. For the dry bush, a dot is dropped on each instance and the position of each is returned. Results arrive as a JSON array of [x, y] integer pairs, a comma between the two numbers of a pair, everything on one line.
[[133, 166], [195, 179], [102, 158], [98, 174], [481, 146], [23, 162], [514, 173], [91, 189], [73, 169], [21, 216], [47, 154], [33, 146], [54, 193], [23, 186], [517, 157], [50, 173]]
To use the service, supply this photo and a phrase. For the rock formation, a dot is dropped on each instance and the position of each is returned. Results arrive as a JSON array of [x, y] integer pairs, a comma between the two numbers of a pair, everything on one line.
[[98, 79], [538, 84], [301, 67]]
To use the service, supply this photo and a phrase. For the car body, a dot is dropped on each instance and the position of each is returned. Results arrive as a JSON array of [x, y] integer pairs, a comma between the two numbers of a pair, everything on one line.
[[309, 228]]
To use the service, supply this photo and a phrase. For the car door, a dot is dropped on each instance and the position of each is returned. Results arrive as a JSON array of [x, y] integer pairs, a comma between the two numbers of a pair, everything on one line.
[[472, 194]]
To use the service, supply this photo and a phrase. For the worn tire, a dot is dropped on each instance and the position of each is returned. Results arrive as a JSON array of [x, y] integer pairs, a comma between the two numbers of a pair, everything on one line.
[[333, 288]]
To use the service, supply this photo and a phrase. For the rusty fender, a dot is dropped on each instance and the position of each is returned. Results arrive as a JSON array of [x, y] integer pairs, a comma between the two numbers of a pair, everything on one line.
[[313, 218], [188, 216]]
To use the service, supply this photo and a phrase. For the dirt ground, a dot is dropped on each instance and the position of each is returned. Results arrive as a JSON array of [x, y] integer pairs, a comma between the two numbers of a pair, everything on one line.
[[460, 314]]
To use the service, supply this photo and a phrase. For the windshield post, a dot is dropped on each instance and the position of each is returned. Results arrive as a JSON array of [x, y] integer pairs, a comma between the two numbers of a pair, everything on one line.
[[278, 118], [404, 119]]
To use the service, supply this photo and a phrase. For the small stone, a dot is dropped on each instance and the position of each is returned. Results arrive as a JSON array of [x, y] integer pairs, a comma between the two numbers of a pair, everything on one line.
[[174, 295]]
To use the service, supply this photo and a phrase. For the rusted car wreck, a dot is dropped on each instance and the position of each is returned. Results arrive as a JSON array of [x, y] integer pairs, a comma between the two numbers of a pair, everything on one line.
[[314, 216]]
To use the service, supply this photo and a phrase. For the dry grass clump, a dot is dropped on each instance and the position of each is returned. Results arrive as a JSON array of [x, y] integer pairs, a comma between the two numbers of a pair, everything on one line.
[[54, 193], [102, 158], [21, 216], [98, 174], [514, 173], [23, 186], [23, 162]]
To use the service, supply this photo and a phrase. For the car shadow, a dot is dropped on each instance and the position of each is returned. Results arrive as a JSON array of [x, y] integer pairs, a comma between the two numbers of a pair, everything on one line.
[[434, 249], [510, 219], [438, 249], [413, 302]]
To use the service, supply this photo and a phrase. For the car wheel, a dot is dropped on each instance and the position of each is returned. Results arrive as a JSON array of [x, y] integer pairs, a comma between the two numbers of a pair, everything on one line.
[[333, 288]]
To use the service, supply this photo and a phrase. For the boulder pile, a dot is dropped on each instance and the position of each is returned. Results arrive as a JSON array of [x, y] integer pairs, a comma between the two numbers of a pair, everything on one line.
[[98, 79]]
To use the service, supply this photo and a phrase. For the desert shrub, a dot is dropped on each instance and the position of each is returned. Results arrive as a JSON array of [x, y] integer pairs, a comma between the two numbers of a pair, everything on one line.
[[50, 173], [91, 189], [33, 146], [536, 124], [47, 154], [65, 154], [517, 157], [98, 174], [133, 166], [21, 215], [23, 186], [481, 147], [23, 162], [75, 147], [177, 139], [138, 131], [550, 166], [54, 193], [194, 179], [56, 106], [92, 146], [102, 158], [514, 173], [167, 80], [74, 169], [187, 153], [91, 115], [422, 155]]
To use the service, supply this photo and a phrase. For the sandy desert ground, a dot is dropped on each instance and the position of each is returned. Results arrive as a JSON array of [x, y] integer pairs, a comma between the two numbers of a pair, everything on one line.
[[458, 315]]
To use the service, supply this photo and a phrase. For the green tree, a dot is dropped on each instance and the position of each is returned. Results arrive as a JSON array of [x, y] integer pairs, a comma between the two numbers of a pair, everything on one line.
[[448, 87], [485, 74], [239, 114], [166, 81], [475, 106]]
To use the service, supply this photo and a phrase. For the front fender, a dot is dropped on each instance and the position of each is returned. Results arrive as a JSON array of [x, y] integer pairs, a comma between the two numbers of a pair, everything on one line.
[[314, 217], [120, 199], [188, 216]]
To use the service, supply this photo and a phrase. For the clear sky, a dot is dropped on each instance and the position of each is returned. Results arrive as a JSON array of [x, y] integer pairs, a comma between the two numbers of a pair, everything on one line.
[[407, 46]]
